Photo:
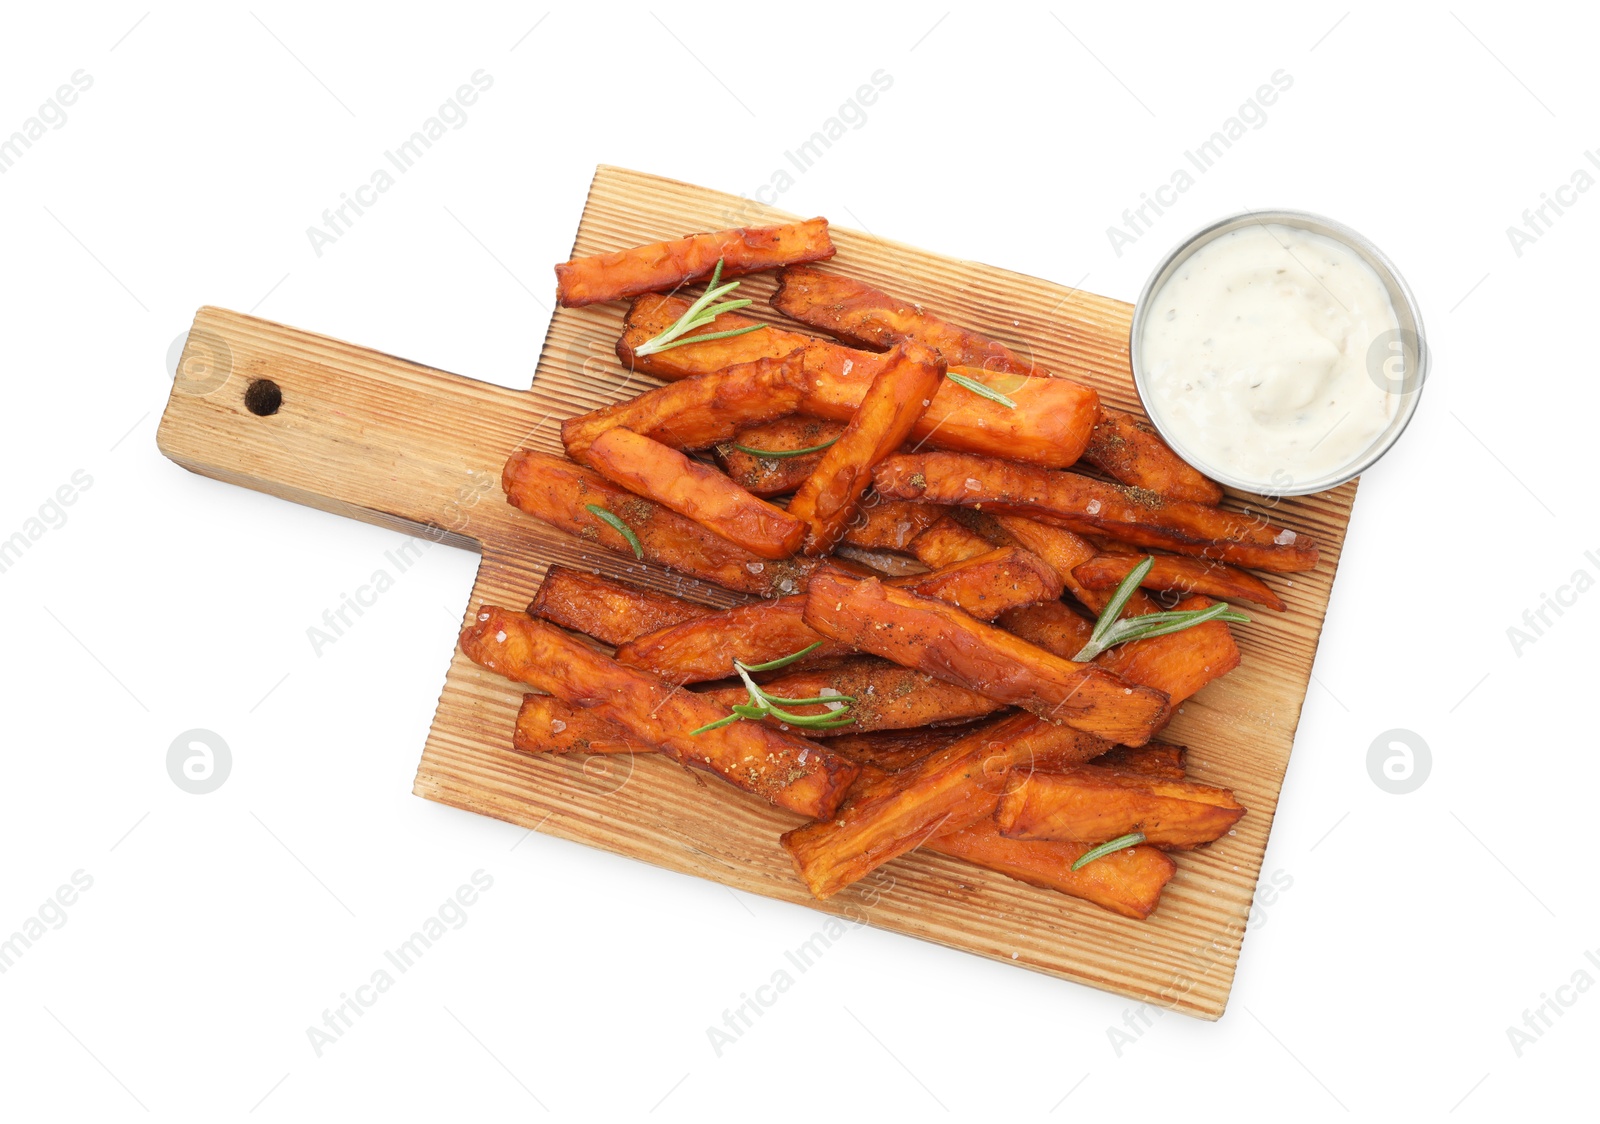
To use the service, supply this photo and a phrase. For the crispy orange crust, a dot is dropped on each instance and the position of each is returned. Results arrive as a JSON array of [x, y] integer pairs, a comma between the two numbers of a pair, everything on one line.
[[666, 265], [895, 400], [949, 789], [545, 724], [1096, 805], [887, 697], [1127, 883], [891, 750], [944, 641], [788, 771], [704, 648], [1124, 446], [946, 541], [1050, 425], [891, 524], [699, 412], [1129, 449], [558, 492], [773, 476], [1089, 507], [694, 490], [1181, 575], [609, 610]]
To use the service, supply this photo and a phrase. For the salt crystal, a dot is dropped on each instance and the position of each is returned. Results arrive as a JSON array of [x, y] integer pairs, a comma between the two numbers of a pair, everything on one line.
[[848, 363], [755, 567], [556, 725], [973, 485], [827, 691], [500, 637], [483, 616], [1093, 507], [1285, 537]]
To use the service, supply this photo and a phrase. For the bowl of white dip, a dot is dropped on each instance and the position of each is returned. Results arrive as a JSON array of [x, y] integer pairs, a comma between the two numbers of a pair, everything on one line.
[[1278, 352]]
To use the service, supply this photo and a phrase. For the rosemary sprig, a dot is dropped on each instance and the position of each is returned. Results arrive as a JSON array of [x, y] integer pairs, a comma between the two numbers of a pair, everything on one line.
[[765, 705], [980, 390], [699, 314], [1109, 631], [616, 525], [1129, 840], [782, 454]]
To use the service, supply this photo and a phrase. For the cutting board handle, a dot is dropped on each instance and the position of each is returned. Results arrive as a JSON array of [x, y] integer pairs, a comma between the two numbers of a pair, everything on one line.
[[346, 429]]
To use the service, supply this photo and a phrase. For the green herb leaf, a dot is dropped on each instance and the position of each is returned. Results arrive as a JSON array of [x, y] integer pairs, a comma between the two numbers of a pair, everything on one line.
[[1109, 631], [782, 661], [783, 454], [702, 312], [1133, 838], [616, 525], [980, 390]]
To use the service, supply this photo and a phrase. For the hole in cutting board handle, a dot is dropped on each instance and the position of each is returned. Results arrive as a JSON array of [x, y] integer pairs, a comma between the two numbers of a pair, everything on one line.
[[263, 397]]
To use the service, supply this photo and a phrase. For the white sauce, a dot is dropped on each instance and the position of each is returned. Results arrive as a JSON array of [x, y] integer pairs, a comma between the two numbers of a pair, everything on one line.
[[1255, 352]]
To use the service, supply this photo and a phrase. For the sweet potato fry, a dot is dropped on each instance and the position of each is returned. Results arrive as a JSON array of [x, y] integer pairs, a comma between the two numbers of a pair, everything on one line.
[[896, 749], [609, 610], [560, 493], [699, 412], [786, 770], [1089, 506], [1156, 759], [895, 400], [1127, 883], [946, 542], [949, 789], [1050, 424], [1062, 549], [944, 641], [891, 524], [1129, 449], [694, 490], [1096, 805], [1181, 575], [1126, 447], [666, 265], [545, 724], [704, 648], [887, 697], [775, 475]]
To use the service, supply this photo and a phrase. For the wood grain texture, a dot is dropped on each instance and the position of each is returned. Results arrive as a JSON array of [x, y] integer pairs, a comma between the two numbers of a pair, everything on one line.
[[409, 447]]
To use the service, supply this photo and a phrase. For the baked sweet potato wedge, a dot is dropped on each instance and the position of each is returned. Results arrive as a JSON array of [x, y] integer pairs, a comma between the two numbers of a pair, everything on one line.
[[1050, 424], [945, 791], [704, 648], [545, 724], [1179, 574], [887, 696], [560, 493], [1124, 446], [890, 524], [1129, 449], [1128, 882], [946, 542], [788, 771], [787, 468], [895, 400], [666, 265], [611, 611], [942, 640], [1156, 759], [1083, 505], [696, 491], [891, 750], [1096, 805], [699, 412]]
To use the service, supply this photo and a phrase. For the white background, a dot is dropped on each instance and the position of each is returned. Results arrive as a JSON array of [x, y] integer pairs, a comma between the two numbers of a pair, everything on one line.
[[1417, 928]]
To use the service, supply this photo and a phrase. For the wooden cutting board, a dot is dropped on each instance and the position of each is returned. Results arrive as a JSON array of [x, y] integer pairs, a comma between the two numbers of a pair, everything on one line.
[[417, 449]]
